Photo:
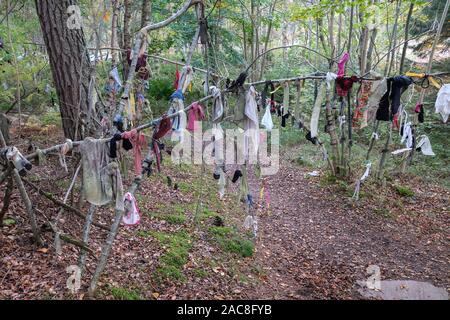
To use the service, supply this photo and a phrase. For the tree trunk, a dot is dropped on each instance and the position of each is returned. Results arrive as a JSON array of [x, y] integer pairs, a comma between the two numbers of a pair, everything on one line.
[[405, 46], [126, 40], [114, 37], [363, 45], [266, 41], [370, 50], [392, 42], [339, 34], [146, 12], [69, 63], [331, 36]]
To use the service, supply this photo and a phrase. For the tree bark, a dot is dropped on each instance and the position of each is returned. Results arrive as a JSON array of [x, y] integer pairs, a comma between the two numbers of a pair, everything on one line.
[[373, 37], [363, 46], [69, 63], [126, 40], [146, 12], [266, 42], [405, 45], [6, 199], [393, 42], [114, 37], [28, 206]]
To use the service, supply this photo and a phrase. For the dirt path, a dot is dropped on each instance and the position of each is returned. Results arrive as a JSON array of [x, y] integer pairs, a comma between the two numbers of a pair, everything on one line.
[[317, 245]]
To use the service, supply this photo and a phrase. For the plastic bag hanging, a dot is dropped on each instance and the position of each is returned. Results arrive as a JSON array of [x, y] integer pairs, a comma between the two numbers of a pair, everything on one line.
[[267, 121], [132, 215]]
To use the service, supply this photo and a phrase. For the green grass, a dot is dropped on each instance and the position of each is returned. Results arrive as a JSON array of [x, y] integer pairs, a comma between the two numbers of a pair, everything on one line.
[[200, 273], [205, 214], [125, 294], [177, 247], [229, 240], [434, 169], [327, 180], [404, 191], [291, 137], [171, 218], [9, 222], [51, 118]]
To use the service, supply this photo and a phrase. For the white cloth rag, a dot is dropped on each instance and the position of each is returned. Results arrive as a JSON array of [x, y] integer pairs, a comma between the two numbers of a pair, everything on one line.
[[425, 146], [442, 104]]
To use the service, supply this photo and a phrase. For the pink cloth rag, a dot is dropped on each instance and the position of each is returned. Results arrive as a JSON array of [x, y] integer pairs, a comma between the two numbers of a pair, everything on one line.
[[138, 141], [341, 64], [195, 114]]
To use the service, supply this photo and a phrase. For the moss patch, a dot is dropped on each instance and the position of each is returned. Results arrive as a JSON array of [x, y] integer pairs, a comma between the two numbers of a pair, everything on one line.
[[404, 191], [229, 240], [125, 294], [176, 256], [171, 218]]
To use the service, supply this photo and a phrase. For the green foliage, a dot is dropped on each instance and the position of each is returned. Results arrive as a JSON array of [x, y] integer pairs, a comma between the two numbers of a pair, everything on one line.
[[404, 191], [200, 273], [426, 13], [171, 218], [9, 222], [51, 118], [177, 247], [125, 294], [229, 240], [161, 88]]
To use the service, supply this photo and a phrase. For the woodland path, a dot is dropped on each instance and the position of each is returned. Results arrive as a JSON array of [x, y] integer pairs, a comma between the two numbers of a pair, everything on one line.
[[315, 245]]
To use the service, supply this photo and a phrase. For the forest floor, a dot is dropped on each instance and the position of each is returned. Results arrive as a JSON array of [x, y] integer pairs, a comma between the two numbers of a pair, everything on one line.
[[314, 243]]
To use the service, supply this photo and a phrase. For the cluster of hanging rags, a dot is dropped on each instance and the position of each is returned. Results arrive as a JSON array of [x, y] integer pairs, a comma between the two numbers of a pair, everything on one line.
[[378, 99]]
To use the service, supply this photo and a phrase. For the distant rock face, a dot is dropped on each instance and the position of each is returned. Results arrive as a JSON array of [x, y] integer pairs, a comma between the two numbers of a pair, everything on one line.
[[403, 290]]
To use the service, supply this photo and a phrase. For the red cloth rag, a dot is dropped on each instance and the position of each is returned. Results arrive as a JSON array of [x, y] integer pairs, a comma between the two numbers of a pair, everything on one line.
[[195, 114], [138, 141], [345, 84]]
